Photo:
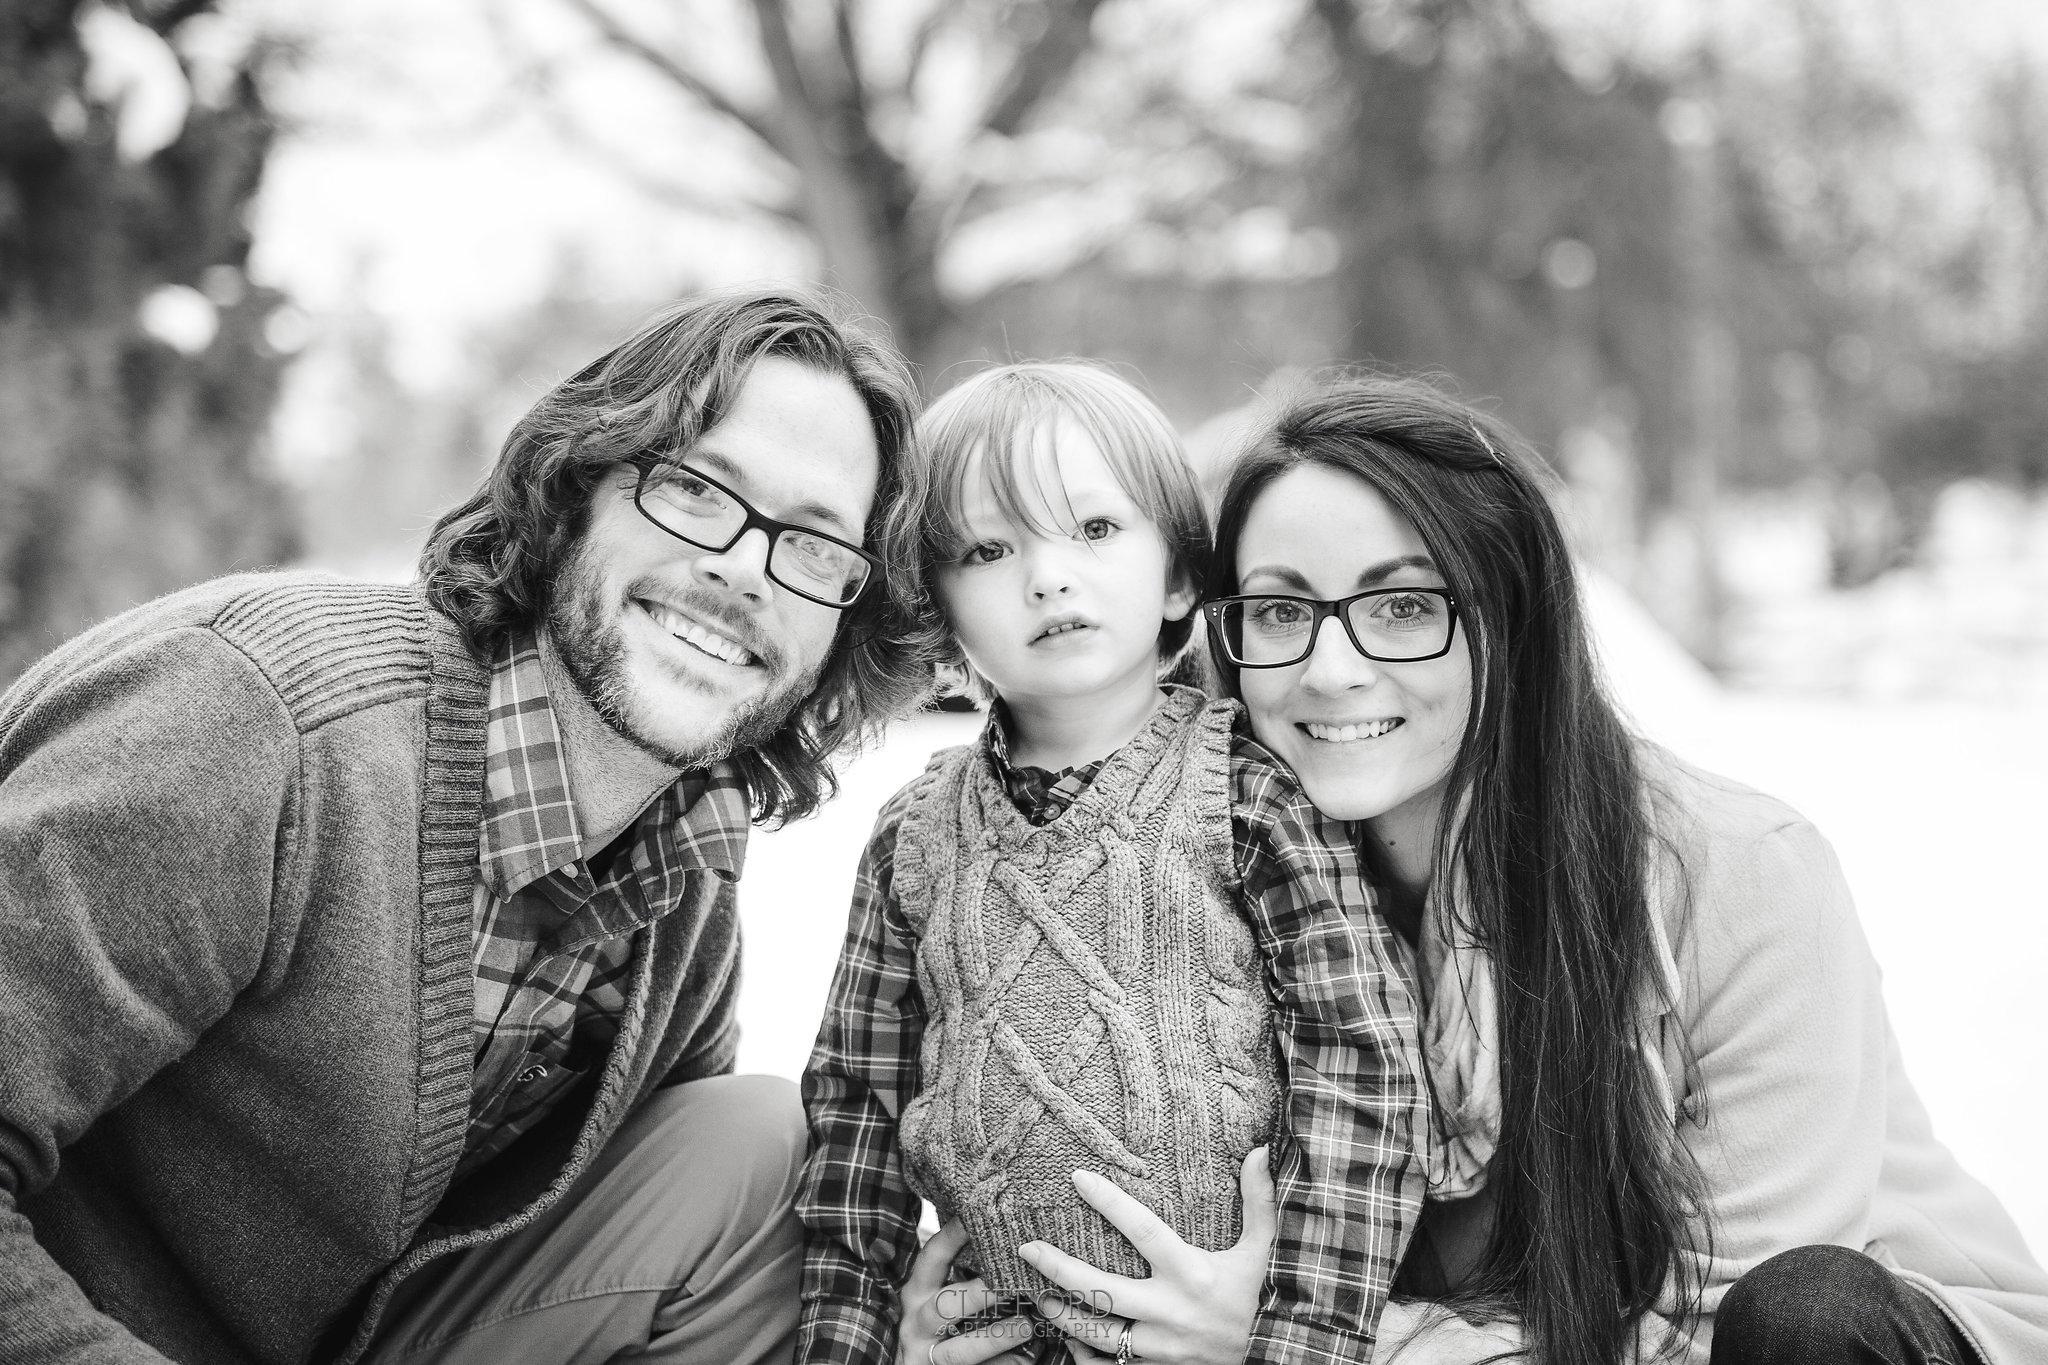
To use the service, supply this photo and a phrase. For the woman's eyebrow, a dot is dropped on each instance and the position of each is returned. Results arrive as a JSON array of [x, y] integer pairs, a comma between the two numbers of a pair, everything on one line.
[[1288, 577], [1372, 576], [1387, 568]]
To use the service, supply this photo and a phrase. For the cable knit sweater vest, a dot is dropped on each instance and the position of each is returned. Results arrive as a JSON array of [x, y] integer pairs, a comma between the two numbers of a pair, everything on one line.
[[1094, 998]]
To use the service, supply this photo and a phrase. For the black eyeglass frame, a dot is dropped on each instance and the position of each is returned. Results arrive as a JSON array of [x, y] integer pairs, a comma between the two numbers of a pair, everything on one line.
[[1321, 611], [754, 517]]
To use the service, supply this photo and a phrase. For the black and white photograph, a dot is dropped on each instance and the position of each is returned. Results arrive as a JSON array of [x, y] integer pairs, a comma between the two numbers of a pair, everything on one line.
[[1054, 682]]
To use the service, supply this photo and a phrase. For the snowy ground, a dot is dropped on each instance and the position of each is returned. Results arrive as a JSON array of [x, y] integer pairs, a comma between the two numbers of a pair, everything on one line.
[[1936, 809]]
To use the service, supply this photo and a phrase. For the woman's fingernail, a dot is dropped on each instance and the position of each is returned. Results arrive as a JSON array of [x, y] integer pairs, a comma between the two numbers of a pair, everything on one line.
[[1031, 1251], [1086, 1179]]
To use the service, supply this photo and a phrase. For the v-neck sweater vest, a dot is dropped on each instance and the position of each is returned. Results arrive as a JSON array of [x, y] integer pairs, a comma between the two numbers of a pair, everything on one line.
[[1095, 999]]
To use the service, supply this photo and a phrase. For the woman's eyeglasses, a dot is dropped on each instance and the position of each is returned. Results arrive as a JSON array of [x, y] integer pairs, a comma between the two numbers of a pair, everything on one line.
[[1391, 625], [699, 510]]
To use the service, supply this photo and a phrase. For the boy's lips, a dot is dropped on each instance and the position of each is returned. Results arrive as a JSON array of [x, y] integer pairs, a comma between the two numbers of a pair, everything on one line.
[[1057, 626]]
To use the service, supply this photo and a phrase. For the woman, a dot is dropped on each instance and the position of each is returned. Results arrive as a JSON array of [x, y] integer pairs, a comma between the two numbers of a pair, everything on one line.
[[1671, 1115]]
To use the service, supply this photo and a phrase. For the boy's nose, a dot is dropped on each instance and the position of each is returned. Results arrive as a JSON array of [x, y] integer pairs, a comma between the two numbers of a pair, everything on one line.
[[1048, 576]]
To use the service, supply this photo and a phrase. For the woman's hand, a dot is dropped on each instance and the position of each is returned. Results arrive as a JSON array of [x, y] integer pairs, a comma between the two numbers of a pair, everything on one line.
[[1197, 1308], [931, 1307]]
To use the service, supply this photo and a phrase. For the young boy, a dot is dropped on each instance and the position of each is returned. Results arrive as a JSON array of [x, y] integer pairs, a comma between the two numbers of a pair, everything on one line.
[[1075, 945]]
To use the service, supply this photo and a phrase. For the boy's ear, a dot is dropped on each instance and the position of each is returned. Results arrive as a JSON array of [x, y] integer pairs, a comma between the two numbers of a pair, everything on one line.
[[1181, 597]]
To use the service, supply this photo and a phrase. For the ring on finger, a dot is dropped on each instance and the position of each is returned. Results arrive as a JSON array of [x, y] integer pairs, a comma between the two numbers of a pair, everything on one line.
[[1123, 1344], [931, 1354]]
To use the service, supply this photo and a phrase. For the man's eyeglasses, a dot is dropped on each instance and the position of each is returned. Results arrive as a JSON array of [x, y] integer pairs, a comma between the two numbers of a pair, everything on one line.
[[1391, 625], [699, 510]]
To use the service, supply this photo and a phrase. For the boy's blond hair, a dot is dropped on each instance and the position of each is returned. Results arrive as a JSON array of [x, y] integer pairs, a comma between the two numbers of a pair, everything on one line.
[[1008, 415]]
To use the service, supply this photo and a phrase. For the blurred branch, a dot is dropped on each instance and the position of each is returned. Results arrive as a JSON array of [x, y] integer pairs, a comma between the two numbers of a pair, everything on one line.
[[2019, 135], [1042, 65], [619, 36], [780, 49], [658, 187], [164, 17], [849, 57], [921, 46]]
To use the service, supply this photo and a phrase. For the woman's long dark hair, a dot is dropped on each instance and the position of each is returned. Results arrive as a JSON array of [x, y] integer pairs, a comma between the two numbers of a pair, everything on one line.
[[491, 563], [1594, 1199]]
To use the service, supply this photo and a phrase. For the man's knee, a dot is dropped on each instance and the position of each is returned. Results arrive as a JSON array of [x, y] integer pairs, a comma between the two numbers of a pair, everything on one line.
[[737, 1140], [760, 1122], [1807, 1304]]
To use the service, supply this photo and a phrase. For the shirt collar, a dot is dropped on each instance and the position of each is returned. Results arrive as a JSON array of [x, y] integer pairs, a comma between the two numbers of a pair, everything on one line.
[[995, 735], [530, 825], [711, 815], [1040, 793]]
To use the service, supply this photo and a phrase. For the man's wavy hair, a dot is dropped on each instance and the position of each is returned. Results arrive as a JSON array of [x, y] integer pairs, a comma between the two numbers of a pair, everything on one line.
[[491, 563]]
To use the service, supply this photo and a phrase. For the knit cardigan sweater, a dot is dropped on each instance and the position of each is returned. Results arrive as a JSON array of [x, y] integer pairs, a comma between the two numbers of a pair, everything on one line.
[[1096, 1000], [238, 833], [1793, 1102]]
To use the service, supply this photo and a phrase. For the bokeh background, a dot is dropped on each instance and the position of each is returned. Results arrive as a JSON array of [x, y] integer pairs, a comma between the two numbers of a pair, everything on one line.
[[1766, 281]]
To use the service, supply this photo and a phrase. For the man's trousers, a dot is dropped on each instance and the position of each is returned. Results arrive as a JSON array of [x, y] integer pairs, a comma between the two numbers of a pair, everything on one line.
[[678, 1244]]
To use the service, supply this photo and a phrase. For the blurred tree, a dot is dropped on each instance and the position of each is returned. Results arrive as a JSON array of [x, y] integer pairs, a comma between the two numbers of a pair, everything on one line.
[[393, 458], [135, 383], [1922, 252], [838, 115], [1674, 273], [1988, 415], [1563, 240]]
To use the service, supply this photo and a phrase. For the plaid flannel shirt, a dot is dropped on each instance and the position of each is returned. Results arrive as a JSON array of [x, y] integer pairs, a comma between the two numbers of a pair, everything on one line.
[[1041, 794], [554, 921], [1348, 1181]]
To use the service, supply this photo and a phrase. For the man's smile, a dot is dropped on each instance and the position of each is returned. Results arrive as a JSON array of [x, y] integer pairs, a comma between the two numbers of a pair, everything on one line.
[[697, 635]]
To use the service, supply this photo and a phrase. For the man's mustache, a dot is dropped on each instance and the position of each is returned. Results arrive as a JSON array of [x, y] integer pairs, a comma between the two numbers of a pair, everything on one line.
[[707, 609]]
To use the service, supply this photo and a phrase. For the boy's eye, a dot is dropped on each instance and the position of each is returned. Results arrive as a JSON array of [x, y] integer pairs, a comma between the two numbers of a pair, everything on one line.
[[1097, 528], [985, 552]]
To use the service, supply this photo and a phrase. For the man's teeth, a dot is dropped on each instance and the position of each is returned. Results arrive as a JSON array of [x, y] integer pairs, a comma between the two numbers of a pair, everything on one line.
[[1339, 734], [689, 632]]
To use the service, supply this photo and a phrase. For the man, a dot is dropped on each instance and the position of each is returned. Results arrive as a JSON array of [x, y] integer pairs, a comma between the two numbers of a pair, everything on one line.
[[368, 955]]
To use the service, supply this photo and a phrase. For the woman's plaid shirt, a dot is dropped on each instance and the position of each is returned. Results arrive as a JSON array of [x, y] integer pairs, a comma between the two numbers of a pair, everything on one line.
[[1349, 1183], [554, 929]]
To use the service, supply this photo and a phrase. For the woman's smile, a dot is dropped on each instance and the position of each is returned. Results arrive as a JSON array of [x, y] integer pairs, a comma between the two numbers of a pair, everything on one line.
[[1370, 740], [1348, 734]]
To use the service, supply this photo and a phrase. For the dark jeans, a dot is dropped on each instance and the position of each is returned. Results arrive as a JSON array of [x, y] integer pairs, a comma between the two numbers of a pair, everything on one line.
[[1827, 1305]]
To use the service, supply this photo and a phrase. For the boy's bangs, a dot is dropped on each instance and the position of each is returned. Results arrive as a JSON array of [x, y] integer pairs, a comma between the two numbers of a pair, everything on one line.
[[1013, 448]]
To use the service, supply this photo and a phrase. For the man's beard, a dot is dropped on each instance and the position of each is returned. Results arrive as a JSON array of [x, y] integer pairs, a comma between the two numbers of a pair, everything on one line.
[[586, 635]]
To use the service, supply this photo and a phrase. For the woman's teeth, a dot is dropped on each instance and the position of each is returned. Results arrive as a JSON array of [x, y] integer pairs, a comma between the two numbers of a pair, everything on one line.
[[1342, 734], [690, 633]]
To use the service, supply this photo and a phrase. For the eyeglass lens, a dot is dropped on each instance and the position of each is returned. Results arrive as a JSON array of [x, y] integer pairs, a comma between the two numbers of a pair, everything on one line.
[[1393, 625], [706, 515]]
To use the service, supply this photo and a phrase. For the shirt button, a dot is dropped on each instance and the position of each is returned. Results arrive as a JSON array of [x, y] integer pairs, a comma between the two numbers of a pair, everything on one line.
[[532, 1074]]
